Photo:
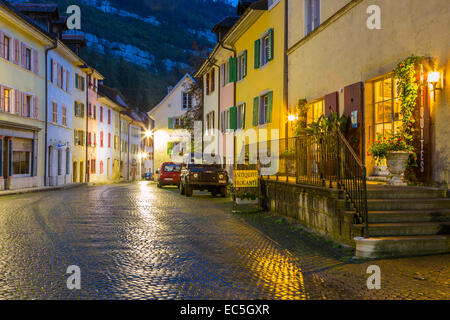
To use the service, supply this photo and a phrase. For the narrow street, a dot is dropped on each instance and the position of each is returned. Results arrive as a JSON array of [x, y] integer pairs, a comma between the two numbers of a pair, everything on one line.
[[135, 241]]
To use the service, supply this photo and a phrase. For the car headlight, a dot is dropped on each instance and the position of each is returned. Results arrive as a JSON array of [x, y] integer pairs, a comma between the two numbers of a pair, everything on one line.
[[221, 176], [195, 175]]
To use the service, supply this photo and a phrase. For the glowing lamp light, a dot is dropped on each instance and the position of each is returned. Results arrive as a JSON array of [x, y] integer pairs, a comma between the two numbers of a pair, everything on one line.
[[292, 118], [433, 79], [148, 134]]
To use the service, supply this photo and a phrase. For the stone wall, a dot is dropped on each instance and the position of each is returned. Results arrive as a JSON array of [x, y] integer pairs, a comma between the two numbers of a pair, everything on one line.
[[320, 209]]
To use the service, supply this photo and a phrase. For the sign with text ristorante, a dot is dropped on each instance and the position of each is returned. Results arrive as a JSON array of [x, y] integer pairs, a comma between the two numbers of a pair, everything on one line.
[[245, 178]]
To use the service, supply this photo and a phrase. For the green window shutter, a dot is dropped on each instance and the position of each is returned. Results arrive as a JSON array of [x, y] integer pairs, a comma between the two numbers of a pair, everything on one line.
[[257, 53], [169, 148], [75, 136], [77, 84], [245, 64], [83, 139], [233, 118], [170, 123], [255, 111], [75, 107], [82, 83], [270, 57], [82, 109], [232, 72], [269, 107]]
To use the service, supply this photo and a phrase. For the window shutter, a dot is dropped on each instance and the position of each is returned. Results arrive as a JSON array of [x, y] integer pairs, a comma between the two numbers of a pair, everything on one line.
[[207, 84], [16, 51], [82, 83], [67, 80], [36, 108], [169, 148], [243, 116], [170, 123], [233, 118], [230, 70], [2, 99], [23, 55], [24, 101], [255, 111], [269, 107], [244, 71], [82, 109], [17, 102], [75, 137], [257, 53], [270, 56], [2, 45]]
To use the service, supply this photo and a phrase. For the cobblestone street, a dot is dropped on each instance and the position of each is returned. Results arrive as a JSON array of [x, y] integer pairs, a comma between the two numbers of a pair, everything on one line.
[[135, 241]]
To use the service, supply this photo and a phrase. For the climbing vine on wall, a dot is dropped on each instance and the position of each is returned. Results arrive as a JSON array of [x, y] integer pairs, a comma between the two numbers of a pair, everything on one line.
[[408, 91]]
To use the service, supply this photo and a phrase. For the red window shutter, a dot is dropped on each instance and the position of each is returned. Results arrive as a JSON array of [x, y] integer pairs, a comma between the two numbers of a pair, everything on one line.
[[23, 55], [213, 77], [331, 103], [207, 84], [16, 51], [2, 45], [101, 114], [101, 139], [109, 140], [35, 61], [24, 104], [67, 80], [109, 116]]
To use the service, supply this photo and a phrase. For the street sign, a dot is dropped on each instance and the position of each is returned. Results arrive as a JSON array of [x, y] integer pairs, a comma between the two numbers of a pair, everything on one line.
[[245, 178]]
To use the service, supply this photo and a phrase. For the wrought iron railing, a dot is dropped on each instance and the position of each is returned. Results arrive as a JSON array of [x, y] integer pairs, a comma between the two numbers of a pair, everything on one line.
[[325, 160]]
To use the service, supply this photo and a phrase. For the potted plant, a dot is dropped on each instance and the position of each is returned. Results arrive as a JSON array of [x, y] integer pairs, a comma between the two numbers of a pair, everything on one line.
[[396, 150]]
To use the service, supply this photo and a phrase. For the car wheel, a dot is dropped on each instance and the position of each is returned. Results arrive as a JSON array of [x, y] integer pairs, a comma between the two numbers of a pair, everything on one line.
[[214, 192], [182, 190], [188, 191], [223, 192], [159, 185]]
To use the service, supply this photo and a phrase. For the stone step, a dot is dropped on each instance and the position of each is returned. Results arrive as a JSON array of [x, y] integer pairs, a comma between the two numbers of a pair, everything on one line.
[[385, 192], [387, 247], [436, 215], [407, 229], [408, 204]]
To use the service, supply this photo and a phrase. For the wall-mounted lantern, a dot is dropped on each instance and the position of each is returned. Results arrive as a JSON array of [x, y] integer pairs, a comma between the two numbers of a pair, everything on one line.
[[434, 78]]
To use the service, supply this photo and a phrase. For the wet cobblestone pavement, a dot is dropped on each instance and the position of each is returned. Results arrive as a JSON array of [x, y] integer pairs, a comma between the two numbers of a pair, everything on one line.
[[135, 241]]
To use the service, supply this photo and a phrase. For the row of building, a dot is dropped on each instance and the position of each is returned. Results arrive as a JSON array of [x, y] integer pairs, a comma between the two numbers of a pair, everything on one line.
[[332, 55], [58, 123]]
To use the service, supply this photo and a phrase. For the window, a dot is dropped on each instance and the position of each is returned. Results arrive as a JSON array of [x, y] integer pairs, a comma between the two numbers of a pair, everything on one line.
[[21, 162], [54, 112], [242, 65], [213, 80], [241, 116], [101, 114], [224, 73], [79, 138], [206, 84], [312, 15], [264, 50], [6, 47], [387, 106], [109, 140], [177, 123], [210, 123], [101, 139], [315, 111], [79, 109], [116, 142], [64, 116], [109, 116], [28, 58], [28, 106], [7, 100], [187, 100], [263, 106]]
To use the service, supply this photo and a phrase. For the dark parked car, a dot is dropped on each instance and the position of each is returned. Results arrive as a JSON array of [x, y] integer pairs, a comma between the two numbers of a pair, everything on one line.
[[205, 177], [169, 174]]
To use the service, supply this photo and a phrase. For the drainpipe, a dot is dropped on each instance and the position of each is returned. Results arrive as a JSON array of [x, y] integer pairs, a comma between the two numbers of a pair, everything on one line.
[[233, 50], [88, 167], [285, 64], [47, 50], [120, 145]]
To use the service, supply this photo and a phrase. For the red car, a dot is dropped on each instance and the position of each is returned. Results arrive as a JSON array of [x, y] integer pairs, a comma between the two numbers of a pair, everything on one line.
[[169, 174]]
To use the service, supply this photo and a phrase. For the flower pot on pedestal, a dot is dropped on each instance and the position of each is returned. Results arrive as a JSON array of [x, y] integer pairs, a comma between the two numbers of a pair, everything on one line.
[[396, 163]]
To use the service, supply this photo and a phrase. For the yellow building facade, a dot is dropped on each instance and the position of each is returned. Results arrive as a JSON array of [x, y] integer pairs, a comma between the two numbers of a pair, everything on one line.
[[22, 87], [258, 39]]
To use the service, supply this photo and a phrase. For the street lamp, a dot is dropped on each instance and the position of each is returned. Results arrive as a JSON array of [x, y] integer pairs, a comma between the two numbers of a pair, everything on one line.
[[433, 79]]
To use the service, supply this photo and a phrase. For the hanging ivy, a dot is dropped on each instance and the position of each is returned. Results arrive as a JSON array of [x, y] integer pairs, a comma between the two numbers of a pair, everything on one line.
[[408, 91]]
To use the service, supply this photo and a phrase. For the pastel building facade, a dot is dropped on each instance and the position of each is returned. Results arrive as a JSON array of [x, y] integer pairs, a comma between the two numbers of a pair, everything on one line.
[[22, 89], [168, 115]]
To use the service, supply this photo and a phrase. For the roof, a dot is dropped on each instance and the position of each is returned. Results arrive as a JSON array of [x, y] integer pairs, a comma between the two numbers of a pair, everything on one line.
[[187, 75], [38, 8], [112, 94], [18, 13], [228, 22]]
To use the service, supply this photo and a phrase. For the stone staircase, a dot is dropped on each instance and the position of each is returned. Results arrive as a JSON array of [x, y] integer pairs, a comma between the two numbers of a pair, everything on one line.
[[405, 221]]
